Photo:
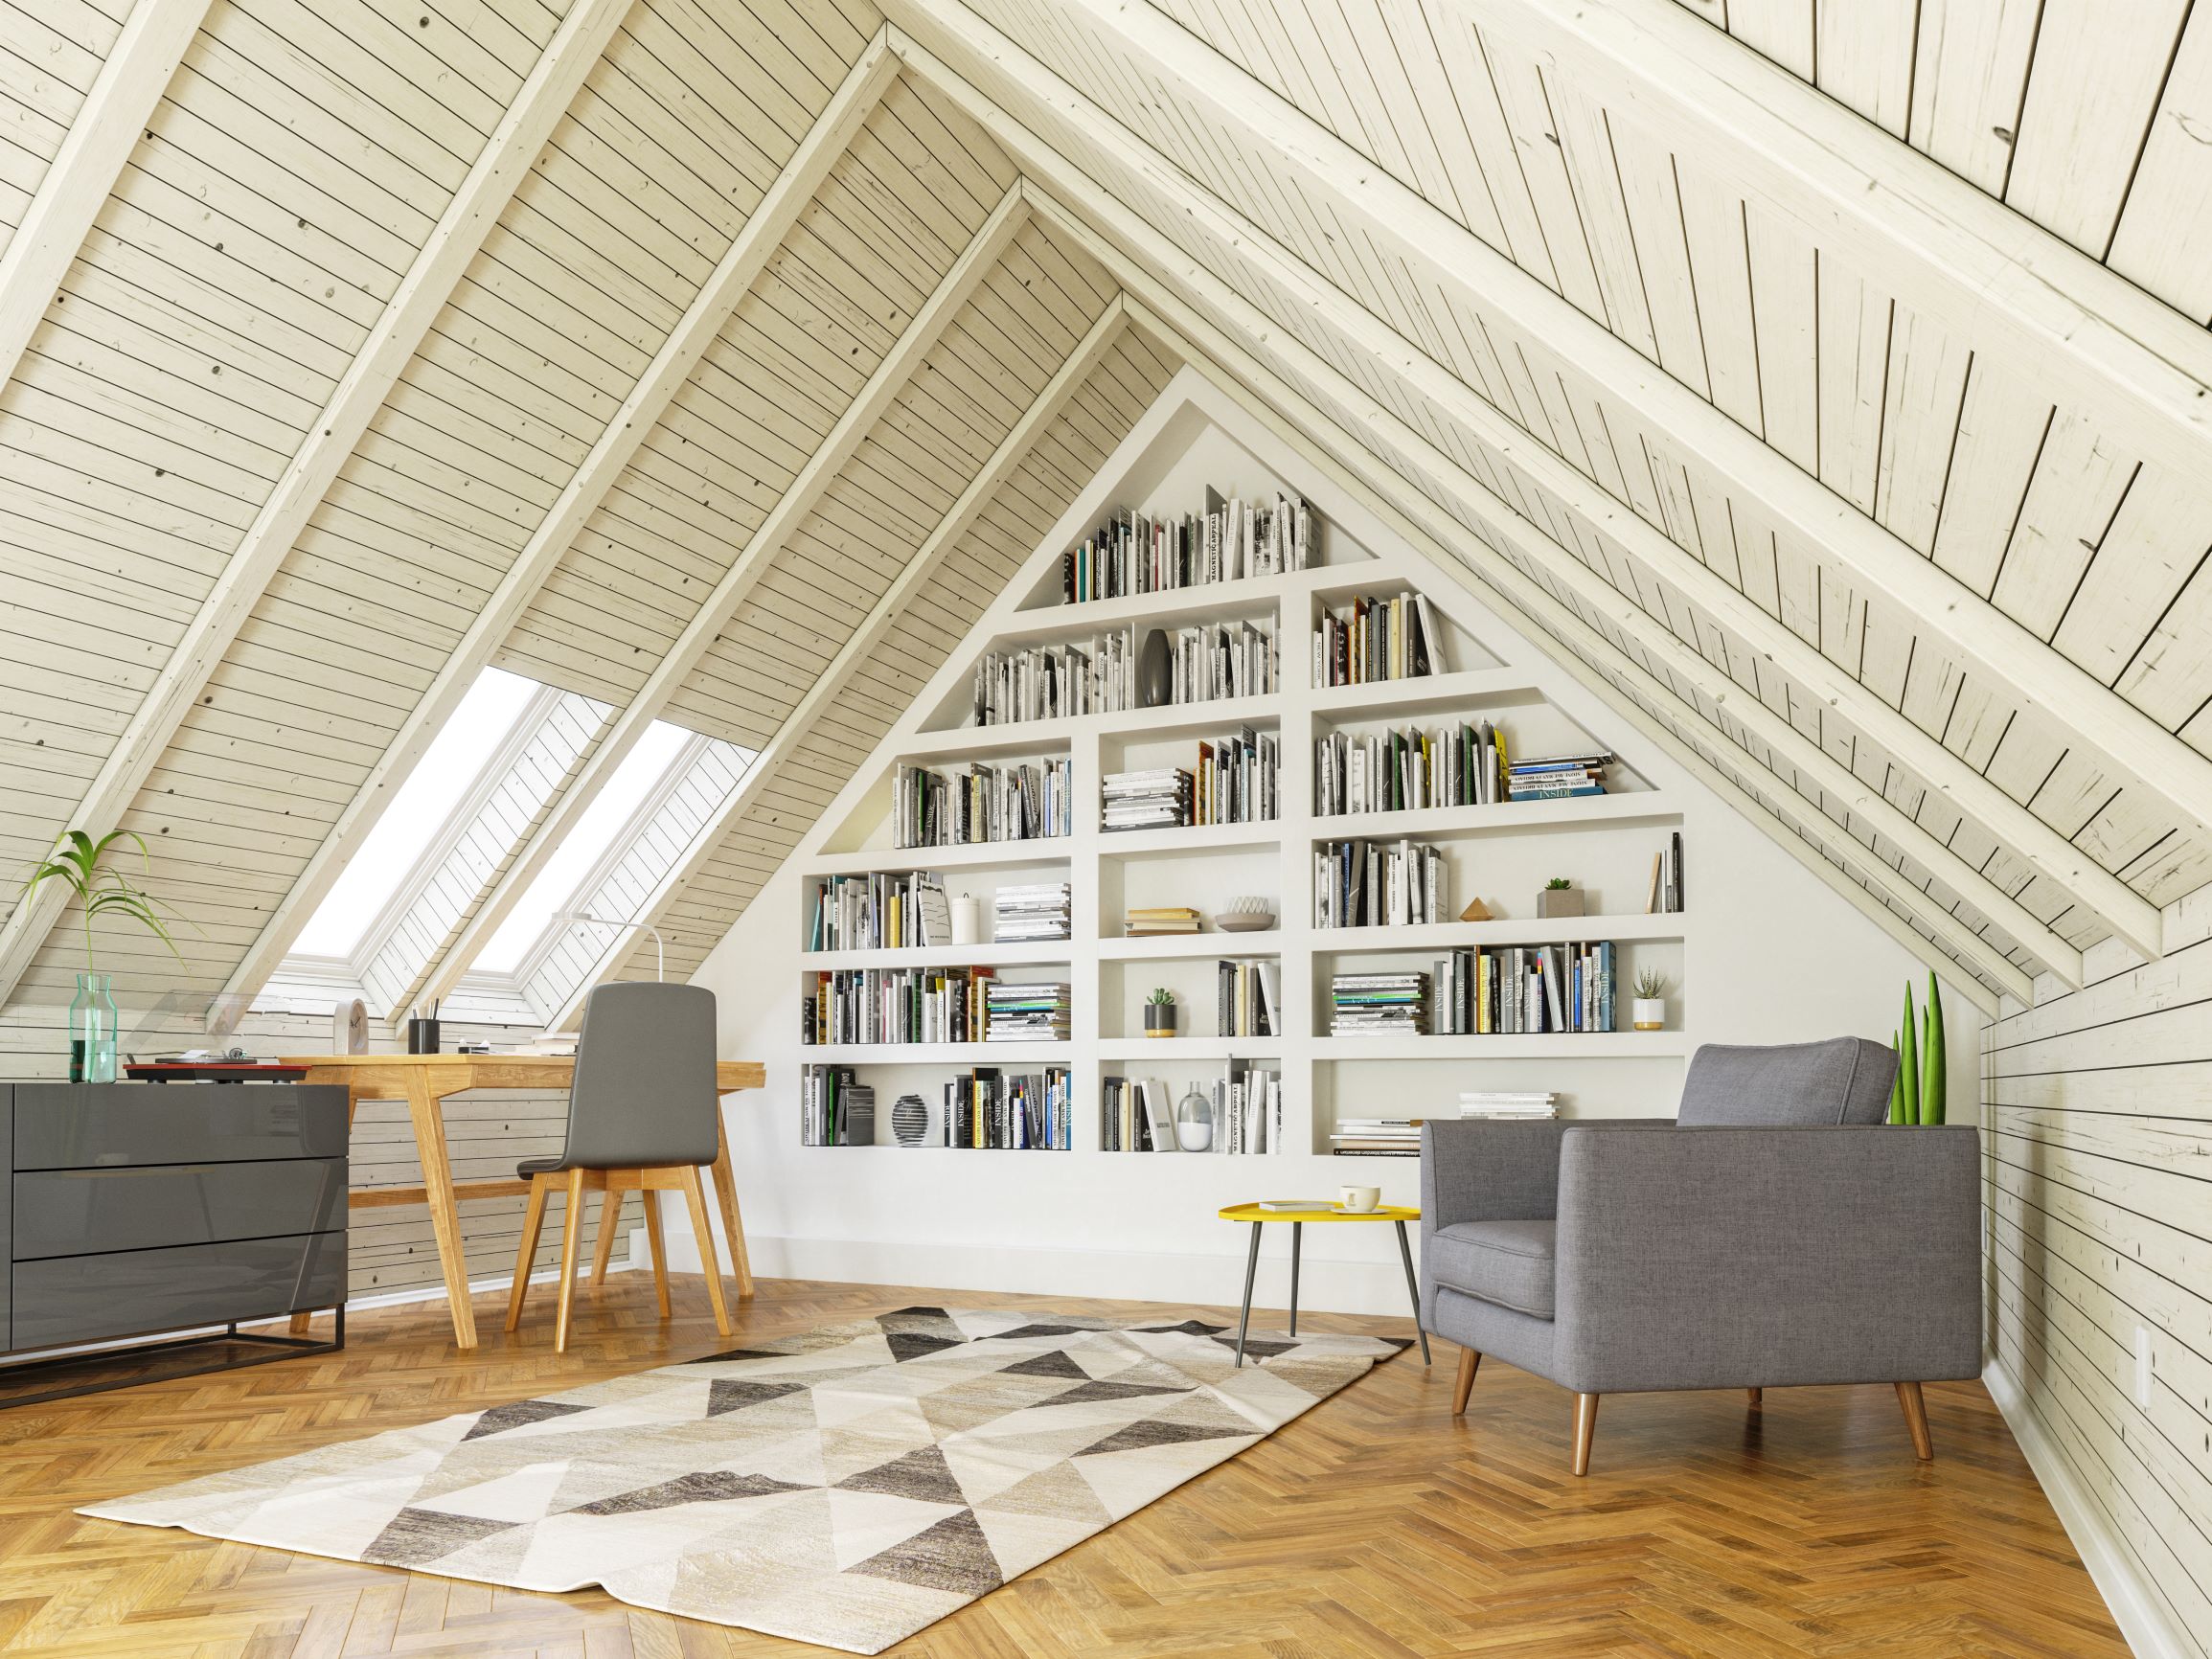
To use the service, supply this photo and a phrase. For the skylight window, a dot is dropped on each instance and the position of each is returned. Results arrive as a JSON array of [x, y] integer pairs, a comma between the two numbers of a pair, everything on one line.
[[587, 845], [448, 769]]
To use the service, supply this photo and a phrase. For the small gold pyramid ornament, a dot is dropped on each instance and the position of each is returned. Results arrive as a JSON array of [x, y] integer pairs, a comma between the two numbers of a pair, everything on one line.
[[1477, 911]]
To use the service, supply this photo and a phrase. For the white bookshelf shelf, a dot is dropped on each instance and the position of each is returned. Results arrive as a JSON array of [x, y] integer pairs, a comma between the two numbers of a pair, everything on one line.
[[1018, 737], [1043, 850], [1042, 951], [1195, 839], [1618, 1045], [1506, 817], [1175, 946], [1172, 1051], [1510, 930], [1428, 694], [935, 1053], [1181, 606]]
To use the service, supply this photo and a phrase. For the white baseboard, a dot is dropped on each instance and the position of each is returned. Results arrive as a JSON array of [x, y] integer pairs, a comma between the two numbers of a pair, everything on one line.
[[2145, 1622], [1324, 1285]]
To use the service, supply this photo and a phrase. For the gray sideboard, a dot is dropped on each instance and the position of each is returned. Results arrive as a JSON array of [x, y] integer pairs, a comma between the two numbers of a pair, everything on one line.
[[134, 1209]]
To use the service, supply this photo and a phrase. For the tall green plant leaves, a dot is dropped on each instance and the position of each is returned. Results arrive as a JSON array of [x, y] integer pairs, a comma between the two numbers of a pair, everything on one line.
[[1908, 1066], [78, 862], [1933, 1088]]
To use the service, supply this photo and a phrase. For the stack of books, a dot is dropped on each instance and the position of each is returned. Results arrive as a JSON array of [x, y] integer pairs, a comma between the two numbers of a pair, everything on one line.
[[987, 1109], [1025, 1013], [1558, 777], [1134, 552], [1667, 879], [1400, 771], [888, 910], [1376, 638], [1138, 1114], [982, 802], [1527, 990], [1058, 682], [895, 1004], [1372, 884], [1158, 921], [1375, 1138], [1378, 1004], [1249, 999], [1036, 911], [1235, 779], [1153, 800], [1506, 1105], [1220, 660], [836, 1109]]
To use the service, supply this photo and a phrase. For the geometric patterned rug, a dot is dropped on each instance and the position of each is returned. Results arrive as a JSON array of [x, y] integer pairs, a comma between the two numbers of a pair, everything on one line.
[[846, 1486]]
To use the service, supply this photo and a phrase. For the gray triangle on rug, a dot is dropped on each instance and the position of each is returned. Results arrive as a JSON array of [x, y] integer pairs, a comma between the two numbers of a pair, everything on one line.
[[847, 1485]]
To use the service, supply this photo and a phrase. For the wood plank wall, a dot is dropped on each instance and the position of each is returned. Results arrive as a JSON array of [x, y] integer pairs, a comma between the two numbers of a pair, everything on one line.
[[2099, 1226]]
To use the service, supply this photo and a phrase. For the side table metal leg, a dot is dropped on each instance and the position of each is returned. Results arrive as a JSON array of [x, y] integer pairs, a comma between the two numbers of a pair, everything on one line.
[[1296, 1229], [1412, 1288], [1251, 1272]]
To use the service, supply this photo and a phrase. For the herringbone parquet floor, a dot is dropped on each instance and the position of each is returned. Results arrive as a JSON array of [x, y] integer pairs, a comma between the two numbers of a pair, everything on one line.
[[1375, 1525]]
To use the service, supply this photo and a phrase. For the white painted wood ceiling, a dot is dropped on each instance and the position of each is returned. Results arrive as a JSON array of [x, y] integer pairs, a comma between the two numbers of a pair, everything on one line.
[[717, 361]]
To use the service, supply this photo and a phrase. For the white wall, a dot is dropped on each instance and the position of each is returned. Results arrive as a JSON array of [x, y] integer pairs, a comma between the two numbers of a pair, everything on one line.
[[1773, 955]]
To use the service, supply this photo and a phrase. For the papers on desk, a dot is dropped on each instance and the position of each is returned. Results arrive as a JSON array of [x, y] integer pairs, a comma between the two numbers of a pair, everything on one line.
[[552, 1043]]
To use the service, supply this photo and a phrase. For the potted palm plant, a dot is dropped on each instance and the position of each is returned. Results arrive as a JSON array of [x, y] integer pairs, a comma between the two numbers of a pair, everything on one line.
[[78, 863]]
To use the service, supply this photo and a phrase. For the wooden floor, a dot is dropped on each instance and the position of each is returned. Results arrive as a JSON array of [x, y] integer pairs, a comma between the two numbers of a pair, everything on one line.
[[1373, 1525]]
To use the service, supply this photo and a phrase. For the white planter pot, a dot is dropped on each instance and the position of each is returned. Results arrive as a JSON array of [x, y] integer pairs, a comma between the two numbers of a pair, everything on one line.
[[968, 921], [1649, 1012]]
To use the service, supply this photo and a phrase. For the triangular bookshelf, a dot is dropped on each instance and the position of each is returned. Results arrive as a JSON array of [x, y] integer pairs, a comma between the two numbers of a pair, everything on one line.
[[1194, 439]]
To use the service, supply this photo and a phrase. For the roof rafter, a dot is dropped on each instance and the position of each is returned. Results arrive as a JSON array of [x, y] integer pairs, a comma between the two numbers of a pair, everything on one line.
[[1523, 594], [890, 604], [392, 341], [2066, 866], [1962, 255], [1971, 631], [91, 157], [789, 512], [764, 231]]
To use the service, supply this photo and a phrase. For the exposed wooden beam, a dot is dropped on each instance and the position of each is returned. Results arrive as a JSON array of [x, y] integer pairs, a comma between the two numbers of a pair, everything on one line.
[[2065, 865], [492, 180], [1971, 631], [1947, 249], [1043, 410], [82, 174], [1586, 654], [790, 510], [733, 276]]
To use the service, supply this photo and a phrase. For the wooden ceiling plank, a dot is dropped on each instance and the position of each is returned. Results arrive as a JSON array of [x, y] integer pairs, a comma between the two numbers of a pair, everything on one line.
[[733, 275], [788, 515], [882, 616], [2127, 912], [82, 176]]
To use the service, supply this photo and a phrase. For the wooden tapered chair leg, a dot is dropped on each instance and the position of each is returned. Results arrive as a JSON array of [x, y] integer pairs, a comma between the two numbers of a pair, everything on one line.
[[1585, 1430], [652, 1238], [1754, 1397], [609, 1210], [532, 1222], [698, 1201], [1464, 1382], [1916, 1419], [571, 1235]]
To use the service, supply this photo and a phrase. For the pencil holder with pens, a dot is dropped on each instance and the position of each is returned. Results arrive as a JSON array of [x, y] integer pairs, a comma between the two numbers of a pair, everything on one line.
[[423, 1036]]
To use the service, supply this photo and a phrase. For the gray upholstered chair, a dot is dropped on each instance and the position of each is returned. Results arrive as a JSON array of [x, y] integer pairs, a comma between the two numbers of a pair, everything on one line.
[[642, 1110], [1775, 1233]]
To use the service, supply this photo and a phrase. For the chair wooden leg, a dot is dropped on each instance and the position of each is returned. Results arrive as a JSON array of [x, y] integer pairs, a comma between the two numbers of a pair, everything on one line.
[[1586, 1429], [1916, 1419], [532, 1222], [571, 1235], [652, 1238], [1463, 1384], [698, 1201], [1754, 1397], [610, 1209]]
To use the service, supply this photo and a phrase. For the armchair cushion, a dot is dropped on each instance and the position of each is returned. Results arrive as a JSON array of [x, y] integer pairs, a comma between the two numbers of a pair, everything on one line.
[[1508, 1263], [1843, 1080]]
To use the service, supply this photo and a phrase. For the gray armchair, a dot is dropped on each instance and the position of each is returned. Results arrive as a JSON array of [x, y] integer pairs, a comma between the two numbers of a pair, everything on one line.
[[1772, 1234]]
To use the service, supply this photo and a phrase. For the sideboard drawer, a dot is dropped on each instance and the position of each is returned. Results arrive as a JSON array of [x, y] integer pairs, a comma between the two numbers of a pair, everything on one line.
[[87, 1211], [116, 1125], [135, 1292]]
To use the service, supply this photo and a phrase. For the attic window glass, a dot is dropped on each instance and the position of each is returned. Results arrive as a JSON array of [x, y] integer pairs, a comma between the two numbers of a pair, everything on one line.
[[585, 847], [448, 769]]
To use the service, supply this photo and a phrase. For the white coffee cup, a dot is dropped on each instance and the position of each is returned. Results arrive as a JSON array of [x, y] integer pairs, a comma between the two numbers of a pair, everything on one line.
[[1358, 1199]]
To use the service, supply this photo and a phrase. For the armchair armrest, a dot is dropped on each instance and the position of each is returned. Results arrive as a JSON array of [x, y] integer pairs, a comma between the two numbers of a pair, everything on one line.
[[1715, 1257]]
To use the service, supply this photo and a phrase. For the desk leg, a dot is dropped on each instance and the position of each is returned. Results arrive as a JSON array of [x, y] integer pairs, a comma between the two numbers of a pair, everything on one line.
[[1412, 1288], [426, 1111], [1251, 1272], [1296, 1228], [727, 1191]]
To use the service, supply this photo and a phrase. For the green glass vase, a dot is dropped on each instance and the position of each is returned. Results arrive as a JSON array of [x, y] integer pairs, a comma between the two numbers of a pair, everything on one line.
[[92, 1030]]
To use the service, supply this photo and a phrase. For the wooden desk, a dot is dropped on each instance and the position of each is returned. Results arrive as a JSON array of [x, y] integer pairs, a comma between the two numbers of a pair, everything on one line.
[[424, 1081]]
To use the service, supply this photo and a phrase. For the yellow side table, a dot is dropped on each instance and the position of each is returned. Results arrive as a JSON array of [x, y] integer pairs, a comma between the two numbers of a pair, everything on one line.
[[1395, 1215]]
